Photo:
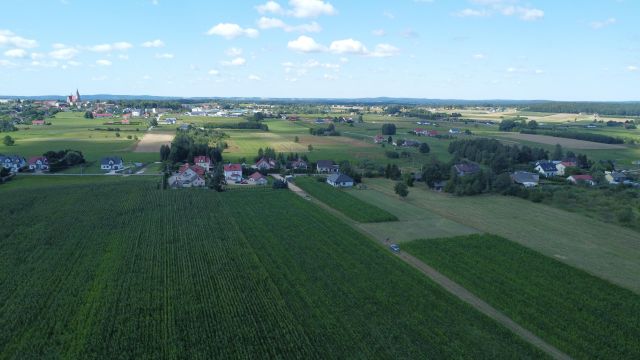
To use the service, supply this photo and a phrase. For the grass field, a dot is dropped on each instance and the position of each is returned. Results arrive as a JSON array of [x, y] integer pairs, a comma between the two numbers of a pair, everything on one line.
[[110, 270], [605, 250], [579, 313], [342, 201]]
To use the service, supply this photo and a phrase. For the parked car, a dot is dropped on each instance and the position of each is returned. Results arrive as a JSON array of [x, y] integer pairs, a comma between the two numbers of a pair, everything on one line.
[[395, 248]]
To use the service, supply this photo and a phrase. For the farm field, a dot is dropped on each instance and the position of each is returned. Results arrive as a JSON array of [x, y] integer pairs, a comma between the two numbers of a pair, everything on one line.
[[241, 274], [342, 201], [605, 250], [579, 313], [566, 143], [413, 223], [151, 142]]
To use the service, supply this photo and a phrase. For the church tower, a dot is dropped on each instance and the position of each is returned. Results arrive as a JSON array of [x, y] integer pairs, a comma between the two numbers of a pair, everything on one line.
[[77, 96]]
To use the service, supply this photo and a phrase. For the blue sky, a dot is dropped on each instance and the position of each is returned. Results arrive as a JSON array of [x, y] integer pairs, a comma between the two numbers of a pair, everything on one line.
[[462, 49]]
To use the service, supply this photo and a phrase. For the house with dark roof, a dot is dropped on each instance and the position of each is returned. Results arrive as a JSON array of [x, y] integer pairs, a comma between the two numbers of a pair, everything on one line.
[[298, 164], [39, 163], [111, 163], [327, 166], [547, 168], [340, 180], [464, 169], [12, 162], [615, 177], [525, 178]]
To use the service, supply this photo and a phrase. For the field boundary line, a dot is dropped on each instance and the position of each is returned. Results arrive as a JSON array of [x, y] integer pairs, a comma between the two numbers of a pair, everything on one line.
[[449, 285]]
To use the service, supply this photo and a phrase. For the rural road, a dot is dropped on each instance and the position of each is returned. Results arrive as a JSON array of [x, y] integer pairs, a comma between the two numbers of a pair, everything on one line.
[[446, 283]]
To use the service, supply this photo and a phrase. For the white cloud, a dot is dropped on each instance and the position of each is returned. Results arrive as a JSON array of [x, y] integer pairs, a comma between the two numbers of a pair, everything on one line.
[[471, 13], [632, 68], [310, 8], [601, 24], [348, 46], [64, 53], [271, 7], [153, 44], [239, 61], [389, 15], [254, 77], [9, 38], [231, 31], [74, 63], [16, 53], [147, 77], [99, 78], [384, 50], [6, 63], [155, 2], [410, 34], [524, 13], [37, 56], [305, 44], [214, 72], [45, 64], [59, 46], [119, 46], [103, 62], [479, 56], [539, 71], [344, 60], [165, 56], [379, 32], [123, 57], [330, 77], [273, 23], [233, 52]]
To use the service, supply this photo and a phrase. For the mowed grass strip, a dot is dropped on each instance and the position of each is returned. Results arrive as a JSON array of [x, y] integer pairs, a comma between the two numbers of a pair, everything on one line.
[[340, 200], [110, 270], [579, 313]]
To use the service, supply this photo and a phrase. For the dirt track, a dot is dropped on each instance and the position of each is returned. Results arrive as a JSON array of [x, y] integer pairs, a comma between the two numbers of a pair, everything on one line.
[[446, 283], [151, 142]]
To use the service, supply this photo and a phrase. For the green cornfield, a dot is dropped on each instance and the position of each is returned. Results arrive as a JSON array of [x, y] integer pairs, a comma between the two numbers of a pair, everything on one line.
[[342, 201], [582, 315], [122, 270]]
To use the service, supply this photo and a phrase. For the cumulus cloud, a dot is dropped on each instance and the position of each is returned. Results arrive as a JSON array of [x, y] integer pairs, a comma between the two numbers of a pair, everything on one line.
[[153, 44], [348, 46], [8, 38], [311, 8], [632, 68], [270, 7], [165, 56], [103, 62], [253, 77], [274, 23], [384, 50], [602, 24], [231, 31], [479, 56], [16, 53], [64, 53], [502, 7], [239, 61], [378, 32], [214, 72], [119, 46], [305, 44], [233, 51]]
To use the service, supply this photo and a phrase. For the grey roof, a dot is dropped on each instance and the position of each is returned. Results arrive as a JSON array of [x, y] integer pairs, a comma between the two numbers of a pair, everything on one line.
[[547, 166], [522, 177], [108, 159], [467, 168], [339, 178], [325, 163]]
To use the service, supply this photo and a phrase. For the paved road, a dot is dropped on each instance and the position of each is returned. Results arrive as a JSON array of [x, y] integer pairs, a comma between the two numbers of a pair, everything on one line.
[[448, 284]]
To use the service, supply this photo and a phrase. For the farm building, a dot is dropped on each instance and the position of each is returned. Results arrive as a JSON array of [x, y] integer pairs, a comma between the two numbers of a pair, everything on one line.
[[562, 166], [111, 163], [379, 139], [581, 179], [37, 122], [327, 166], [525, 178], [38, 163], [233, 172], [340, 180]]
